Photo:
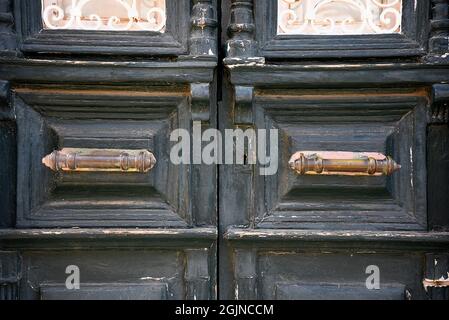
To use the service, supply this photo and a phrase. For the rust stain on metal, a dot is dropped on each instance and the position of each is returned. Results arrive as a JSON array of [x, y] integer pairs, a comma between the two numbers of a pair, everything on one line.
[[109, 160], [342, 163]]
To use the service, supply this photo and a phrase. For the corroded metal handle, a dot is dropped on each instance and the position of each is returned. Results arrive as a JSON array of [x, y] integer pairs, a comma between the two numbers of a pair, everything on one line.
[[110, 160], [342, 163]]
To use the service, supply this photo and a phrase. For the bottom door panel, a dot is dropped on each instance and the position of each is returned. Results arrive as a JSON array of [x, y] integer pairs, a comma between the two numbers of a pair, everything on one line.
[[291, 275], [318, 274], [103, 275], [131, 273]]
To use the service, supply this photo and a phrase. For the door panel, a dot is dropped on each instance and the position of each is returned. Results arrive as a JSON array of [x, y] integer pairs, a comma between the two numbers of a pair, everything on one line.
[[310, 230], [124, 263], [309, 275], [88, 111], [105, 275], [392, 123], [53, 119], [118, 275]]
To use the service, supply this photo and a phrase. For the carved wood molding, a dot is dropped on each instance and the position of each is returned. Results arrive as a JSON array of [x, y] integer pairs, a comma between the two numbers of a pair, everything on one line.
[[111, 238], [291, 238], [242, 46], [200, 95], [203, 37], [243, 113], [440, 104], [439, 35]]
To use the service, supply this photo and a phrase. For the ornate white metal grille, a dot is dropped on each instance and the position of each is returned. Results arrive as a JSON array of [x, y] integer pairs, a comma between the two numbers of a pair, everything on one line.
[[112, 15], [339, 17]]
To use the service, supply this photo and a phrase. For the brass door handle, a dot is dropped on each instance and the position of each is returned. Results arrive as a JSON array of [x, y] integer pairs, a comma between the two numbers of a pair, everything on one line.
[[110, 160], [342, 163]]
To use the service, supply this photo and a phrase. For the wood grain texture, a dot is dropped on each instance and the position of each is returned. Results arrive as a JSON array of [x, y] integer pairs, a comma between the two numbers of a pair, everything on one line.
[[245, 274], [198, 275], [235, 195]]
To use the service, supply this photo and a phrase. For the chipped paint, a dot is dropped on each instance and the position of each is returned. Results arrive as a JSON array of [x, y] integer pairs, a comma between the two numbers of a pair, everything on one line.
[[152, 278], [292, 235], [86, 234], [243, 64]]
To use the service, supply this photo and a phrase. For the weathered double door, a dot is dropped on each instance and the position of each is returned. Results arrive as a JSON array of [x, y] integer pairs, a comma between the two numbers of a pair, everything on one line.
[[104, 179]]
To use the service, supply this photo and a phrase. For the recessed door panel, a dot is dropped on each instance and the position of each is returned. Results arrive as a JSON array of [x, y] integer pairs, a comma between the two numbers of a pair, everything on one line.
[[348, 140]]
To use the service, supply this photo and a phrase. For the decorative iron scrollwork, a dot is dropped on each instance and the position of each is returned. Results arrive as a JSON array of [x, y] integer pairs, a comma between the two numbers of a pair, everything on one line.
[[335, 17], [112, 15]]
